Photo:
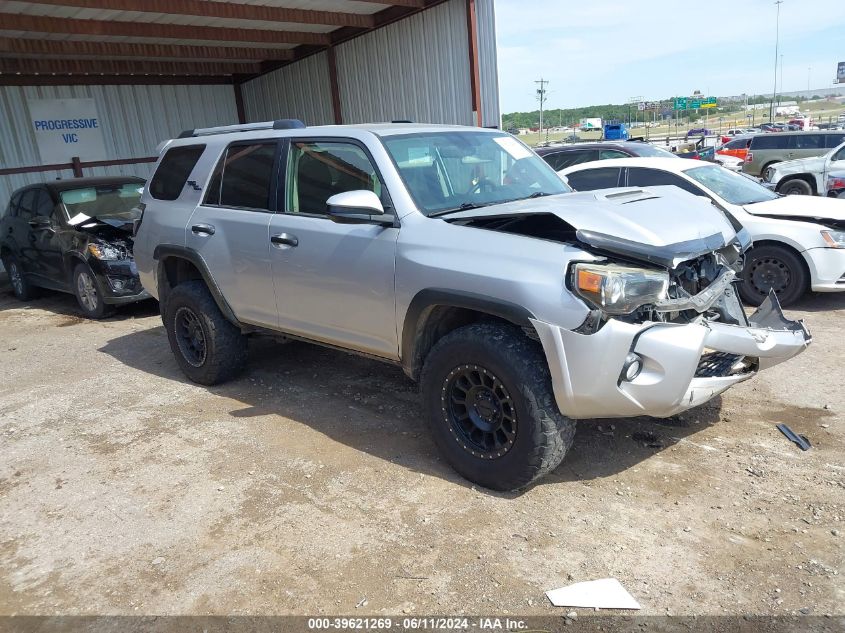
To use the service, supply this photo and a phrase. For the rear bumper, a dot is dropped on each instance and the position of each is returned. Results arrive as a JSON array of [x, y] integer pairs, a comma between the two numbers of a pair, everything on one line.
[[682, 367]]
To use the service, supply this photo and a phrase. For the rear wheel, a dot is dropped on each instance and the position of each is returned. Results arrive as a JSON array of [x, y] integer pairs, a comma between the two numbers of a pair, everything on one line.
[[20, 286], [490, 407], [796, 187], [208, 348], [771, 267]]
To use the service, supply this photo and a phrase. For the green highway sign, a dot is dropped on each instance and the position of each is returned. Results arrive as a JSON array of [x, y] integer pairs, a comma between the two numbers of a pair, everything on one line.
[[694, 103]]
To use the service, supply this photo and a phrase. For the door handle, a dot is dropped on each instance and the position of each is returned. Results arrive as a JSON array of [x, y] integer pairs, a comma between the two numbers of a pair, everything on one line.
[[202, 229], [284, 239]]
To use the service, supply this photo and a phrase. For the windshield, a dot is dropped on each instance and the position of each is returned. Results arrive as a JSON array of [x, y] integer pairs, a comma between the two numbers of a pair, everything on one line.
[[113, 201], [729, 186], [451, 170]]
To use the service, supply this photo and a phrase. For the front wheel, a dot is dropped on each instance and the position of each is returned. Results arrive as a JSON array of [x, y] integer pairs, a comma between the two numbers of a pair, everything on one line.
[[772, 267], [796, 187], [208, 348], [89, 296], [490, 407]]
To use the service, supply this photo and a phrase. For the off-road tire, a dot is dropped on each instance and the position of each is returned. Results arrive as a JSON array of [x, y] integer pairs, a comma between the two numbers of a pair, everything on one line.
[[776, 256], [224, 344], [22, 288], [543, 434], [98, 309], [796, 187]]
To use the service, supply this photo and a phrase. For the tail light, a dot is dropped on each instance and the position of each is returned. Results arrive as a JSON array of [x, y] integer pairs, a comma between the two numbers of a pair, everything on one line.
[[749, 157]]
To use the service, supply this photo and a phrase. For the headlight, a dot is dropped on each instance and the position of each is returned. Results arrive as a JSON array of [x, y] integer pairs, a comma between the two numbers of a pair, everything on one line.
[[834, 239], [767, 175], [104, 251], [619, 289]]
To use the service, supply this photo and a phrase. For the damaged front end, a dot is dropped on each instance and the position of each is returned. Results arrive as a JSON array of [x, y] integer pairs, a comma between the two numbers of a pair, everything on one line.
[[107, 248], [664, 338]]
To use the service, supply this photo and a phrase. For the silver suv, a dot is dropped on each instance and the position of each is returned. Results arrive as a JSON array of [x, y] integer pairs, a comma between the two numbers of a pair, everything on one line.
[[459, 255]]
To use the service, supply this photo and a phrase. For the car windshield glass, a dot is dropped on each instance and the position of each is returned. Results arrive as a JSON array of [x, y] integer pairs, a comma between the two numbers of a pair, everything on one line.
[[452, 170], [644, 149], [113, 202], [729, 186]]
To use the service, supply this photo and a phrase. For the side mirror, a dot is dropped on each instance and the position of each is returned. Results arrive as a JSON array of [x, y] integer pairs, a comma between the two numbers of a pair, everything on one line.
[[357, 207]]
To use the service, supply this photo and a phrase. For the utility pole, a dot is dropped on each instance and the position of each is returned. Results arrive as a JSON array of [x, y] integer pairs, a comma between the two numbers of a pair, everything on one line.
[[541, 97], [777, 43], [780, 94], [809, 72]]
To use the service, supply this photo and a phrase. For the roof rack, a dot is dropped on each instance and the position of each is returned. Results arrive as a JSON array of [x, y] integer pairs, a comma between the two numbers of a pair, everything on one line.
[[278, 124]]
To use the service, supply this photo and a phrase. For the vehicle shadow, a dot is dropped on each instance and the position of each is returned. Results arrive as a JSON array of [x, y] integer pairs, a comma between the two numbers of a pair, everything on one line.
[[819, 302], [65, 304], [374, 408]]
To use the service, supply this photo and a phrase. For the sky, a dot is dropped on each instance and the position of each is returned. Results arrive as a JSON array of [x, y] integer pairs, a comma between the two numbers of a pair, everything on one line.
[[609, 51]]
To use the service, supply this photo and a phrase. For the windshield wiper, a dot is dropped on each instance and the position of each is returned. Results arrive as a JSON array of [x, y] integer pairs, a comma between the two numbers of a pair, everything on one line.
[[464, 206], [538, 194]]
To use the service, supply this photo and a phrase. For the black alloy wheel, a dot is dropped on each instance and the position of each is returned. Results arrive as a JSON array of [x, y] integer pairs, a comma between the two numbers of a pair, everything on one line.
[[479, 411], [190, 337]]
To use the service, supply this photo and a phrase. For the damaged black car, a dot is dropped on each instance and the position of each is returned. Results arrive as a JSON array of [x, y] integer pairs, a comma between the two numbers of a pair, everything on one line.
[[74, 236]]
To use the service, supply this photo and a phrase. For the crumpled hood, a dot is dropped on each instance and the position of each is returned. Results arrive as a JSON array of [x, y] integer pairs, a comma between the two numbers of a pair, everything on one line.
[[660, 217], [800, 208]]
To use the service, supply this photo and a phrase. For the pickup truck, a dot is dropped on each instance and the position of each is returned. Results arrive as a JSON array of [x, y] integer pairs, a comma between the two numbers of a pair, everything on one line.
[[806, 176]]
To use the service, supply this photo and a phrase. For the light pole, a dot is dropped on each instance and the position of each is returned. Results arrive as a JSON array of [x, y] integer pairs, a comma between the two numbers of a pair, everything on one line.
[[780, 94], [809, 72], [541, 97], [777, 42]]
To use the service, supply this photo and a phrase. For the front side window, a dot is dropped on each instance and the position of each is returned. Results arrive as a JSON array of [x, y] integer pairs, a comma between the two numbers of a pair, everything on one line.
[[317, 170], [173, 171], [446, 171], [243, 177], [44, 205], [730, 186]]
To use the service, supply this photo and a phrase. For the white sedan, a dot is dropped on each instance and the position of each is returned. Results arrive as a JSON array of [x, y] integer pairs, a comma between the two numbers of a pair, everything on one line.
[[799, 241]]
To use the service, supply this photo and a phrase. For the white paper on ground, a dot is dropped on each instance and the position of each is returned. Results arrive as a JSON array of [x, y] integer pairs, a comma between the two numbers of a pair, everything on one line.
[[607, 593]]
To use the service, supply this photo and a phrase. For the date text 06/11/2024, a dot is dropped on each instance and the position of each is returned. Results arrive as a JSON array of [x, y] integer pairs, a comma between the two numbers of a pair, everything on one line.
[[416, 623]]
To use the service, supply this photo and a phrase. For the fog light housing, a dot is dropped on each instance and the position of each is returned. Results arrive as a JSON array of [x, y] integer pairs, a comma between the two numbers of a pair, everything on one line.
[[632, 367], [118, 284]]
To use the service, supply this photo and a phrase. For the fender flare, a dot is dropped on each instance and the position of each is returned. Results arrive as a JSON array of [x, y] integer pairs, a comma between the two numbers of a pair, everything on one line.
[[428, 299], [165, 251]]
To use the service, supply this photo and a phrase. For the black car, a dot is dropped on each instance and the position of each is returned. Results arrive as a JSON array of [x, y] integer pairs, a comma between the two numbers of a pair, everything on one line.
[[563, 156], [74, 236]]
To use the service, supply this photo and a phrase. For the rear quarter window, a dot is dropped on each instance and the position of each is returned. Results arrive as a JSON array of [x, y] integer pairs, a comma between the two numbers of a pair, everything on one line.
[[833, 140], [173, 171]]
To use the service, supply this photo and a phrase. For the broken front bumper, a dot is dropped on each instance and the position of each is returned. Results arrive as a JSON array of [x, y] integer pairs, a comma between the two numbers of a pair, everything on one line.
[[683, 365]]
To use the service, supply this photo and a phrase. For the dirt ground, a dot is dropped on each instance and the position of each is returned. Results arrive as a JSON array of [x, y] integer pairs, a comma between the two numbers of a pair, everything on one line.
[[311, 486]]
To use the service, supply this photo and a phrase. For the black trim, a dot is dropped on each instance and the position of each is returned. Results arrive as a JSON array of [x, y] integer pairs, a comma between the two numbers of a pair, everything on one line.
[[430, 298], [163, 251]]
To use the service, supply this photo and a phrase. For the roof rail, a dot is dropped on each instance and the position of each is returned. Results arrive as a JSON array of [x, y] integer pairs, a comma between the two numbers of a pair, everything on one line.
[[278, 124]]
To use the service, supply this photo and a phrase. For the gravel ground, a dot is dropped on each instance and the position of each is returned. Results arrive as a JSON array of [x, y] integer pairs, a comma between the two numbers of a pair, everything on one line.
[[311, 486]]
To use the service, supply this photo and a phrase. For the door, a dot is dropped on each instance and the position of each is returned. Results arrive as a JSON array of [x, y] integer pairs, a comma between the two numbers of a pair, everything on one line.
[[806, 146], [230, 229], [21, 234], [45, 239], [334, 282], [836, 163]]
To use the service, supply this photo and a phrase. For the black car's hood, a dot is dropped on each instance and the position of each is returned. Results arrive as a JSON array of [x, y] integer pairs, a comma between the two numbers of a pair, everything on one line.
[[121, 221]]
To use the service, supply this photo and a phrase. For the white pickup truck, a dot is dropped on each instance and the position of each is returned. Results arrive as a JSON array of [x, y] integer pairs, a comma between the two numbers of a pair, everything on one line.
[[806, 176]]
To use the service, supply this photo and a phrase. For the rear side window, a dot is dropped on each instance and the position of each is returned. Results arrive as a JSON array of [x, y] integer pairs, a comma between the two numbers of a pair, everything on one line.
[[809, 141], [562, 160], [769, 141], [243, 177], [738, 143], [173, 171], [833, 140], [590, 179]]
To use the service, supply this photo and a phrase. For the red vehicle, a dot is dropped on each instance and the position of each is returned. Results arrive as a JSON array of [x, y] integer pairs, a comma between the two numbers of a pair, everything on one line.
[[737, 147]]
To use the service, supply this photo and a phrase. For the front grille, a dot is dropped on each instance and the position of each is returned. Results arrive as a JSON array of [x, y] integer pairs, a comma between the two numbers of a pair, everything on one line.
[[717, 365]]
